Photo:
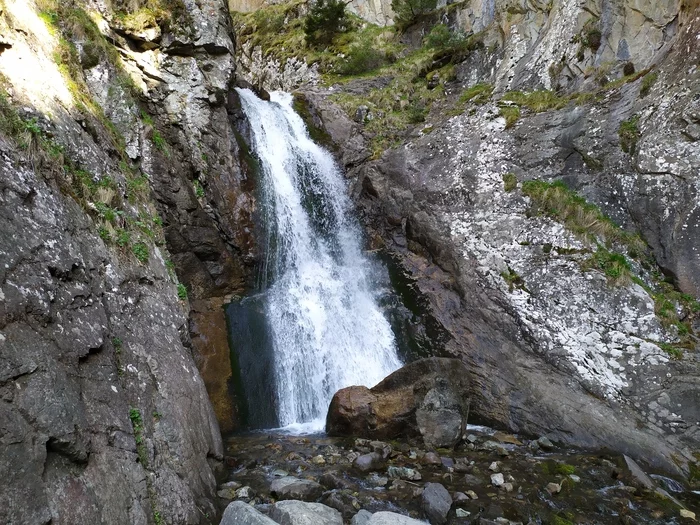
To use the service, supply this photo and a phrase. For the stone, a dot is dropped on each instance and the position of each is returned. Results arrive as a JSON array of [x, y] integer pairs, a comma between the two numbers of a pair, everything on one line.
[[685, 513], [436, 503], [391, 518], [461, 513], [544, 443], [318, 460], [377, 480], [302, 513], [240, 513], [291, 488], [426, 398], [495, 466], [472, 494], [404, 473], [335, 480], [369, 462], [343, 501], [459, 497], [497, 479], [637, 476], [361, 518], [508, 487], [245, 493], [431, 458]]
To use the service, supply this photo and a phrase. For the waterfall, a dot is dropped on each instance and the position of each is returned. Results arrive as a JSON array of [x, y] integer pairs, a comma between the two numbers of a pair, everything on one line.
[[325, 326]]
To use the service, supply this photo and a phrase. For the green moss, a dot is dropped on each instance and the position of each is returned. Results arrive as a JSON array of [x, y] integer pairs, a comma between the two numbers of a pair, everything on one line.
[[565, 469], [477, 94], [181, 292], [513, 279], [198, 189], [137, 425], [614, 265], [140, 251], [672, 351], [510, 182], [629, 134]]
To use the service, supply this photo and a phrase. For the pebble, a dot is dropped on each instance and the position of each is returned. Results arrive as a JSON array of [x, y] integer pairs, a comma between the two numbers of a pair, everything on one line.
[[545, 443], [553, 488], [472, 494], [685, 513], [497, 479], [495, 466], [318, 460], [461, 513]]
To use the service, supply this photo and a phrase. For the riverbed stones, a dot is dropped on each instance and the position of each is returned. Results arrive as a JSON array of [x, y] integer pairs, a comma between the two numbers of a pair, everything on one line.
[[497, 479], [426, 398], [291, 488], [436, 503], [361, 518], [292, 512], [240, 513], [404, 473]]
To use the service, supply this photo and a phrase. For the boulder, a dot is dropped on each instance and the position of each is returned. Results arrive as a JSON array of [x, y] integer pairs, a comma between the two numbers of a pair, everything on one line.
[[301, 513], [391, 518], [427, 398], [369, 462], [436, 503], [239, 513], [290, 487]]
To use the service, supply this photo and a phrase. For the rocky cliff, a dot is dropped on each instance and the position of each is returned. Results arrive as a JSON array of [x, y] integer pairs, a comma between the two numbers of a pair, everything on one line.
[[574, 303], [118, 154]]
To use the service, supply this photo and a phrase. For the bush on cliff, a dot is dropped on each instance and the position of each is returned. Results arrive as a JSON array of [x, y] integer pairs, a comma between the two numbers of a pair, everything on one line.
[[407, 12]]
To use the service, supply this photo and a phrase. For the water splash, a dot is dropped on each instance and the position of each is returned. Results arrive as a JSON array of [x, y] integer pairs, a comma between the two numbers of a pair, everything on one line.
[[327, 330]]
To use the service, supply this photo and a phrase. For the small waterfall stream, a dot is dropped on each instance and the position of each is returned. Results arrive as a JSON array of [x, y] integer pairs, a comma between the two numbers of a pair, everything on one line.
[[323, 323]]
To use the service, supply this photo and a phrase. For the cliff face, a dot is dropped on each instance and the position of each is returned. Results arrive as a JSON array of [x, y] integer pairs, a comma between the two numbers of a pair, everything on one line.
[[117, 154], [520, 275]]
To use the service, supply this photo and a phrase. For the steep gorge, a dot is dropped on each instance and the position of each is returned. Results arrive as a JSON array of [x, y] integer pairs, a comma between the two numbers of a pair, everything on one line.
[[128, 221]]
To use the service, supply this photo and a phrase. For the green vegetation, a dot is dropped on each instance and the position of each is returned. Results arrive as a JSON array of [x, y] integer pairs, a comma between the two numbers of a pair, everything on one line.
[[137, 424], [672, 351], [153, 13], [478, 94], [511, 114], [513, 279], [614, 265], [537, 101], [326, 19], [198, 189], [360, 59], [565, 469], [510, 182], [181, 292], [140, 251], [581, 217], [647, 84], [629, 134]]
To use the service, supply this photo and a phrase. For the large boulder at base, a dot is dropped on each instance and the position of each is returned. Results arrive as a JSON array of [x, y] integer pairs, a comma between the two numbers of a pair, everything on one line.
[[427, 398], [239, 513], [290, 487], [300, 513]]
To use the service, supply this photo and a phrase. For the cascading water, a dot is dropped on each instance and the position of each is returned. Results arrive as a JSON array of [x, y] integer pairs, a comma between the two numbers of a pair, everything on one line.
[[325, 326]]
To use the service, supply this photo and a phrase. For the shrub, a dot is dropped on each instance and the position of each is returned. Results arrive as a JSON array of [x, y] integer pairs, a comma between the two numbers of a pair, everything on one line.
[[181, 292], [441, 37], [406, 12], [326, 19]]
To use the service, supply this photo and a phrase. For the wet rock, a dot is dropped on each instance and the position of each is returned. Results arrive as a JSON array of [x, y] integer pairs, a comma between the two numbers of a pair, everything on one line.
[[291, 488], [472, 494], [228, 490], [494, 446], [335, 480], [318, 460], [292, 512], [404, 473], [447, 463], [495, 466], [391, 518], [425, 398], [436, 503], [239, 513], [342, 501], [279, 473], [497, 479], [685, 513], [369, 462], [461, 513], [361, 518], [459, 497], [462, 465], [377, 480], [508, 487]]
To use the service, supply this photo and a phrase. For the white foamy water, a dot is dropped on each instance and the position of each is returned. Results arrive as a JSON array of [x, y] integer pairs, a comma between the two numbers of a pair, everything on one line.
[[326, 327]]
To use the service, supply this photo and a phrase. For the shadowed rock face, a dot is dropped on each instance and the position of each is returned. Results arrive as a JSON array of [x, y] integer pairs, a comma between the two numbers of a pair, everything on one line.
[[552, 347], [426, 398]]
